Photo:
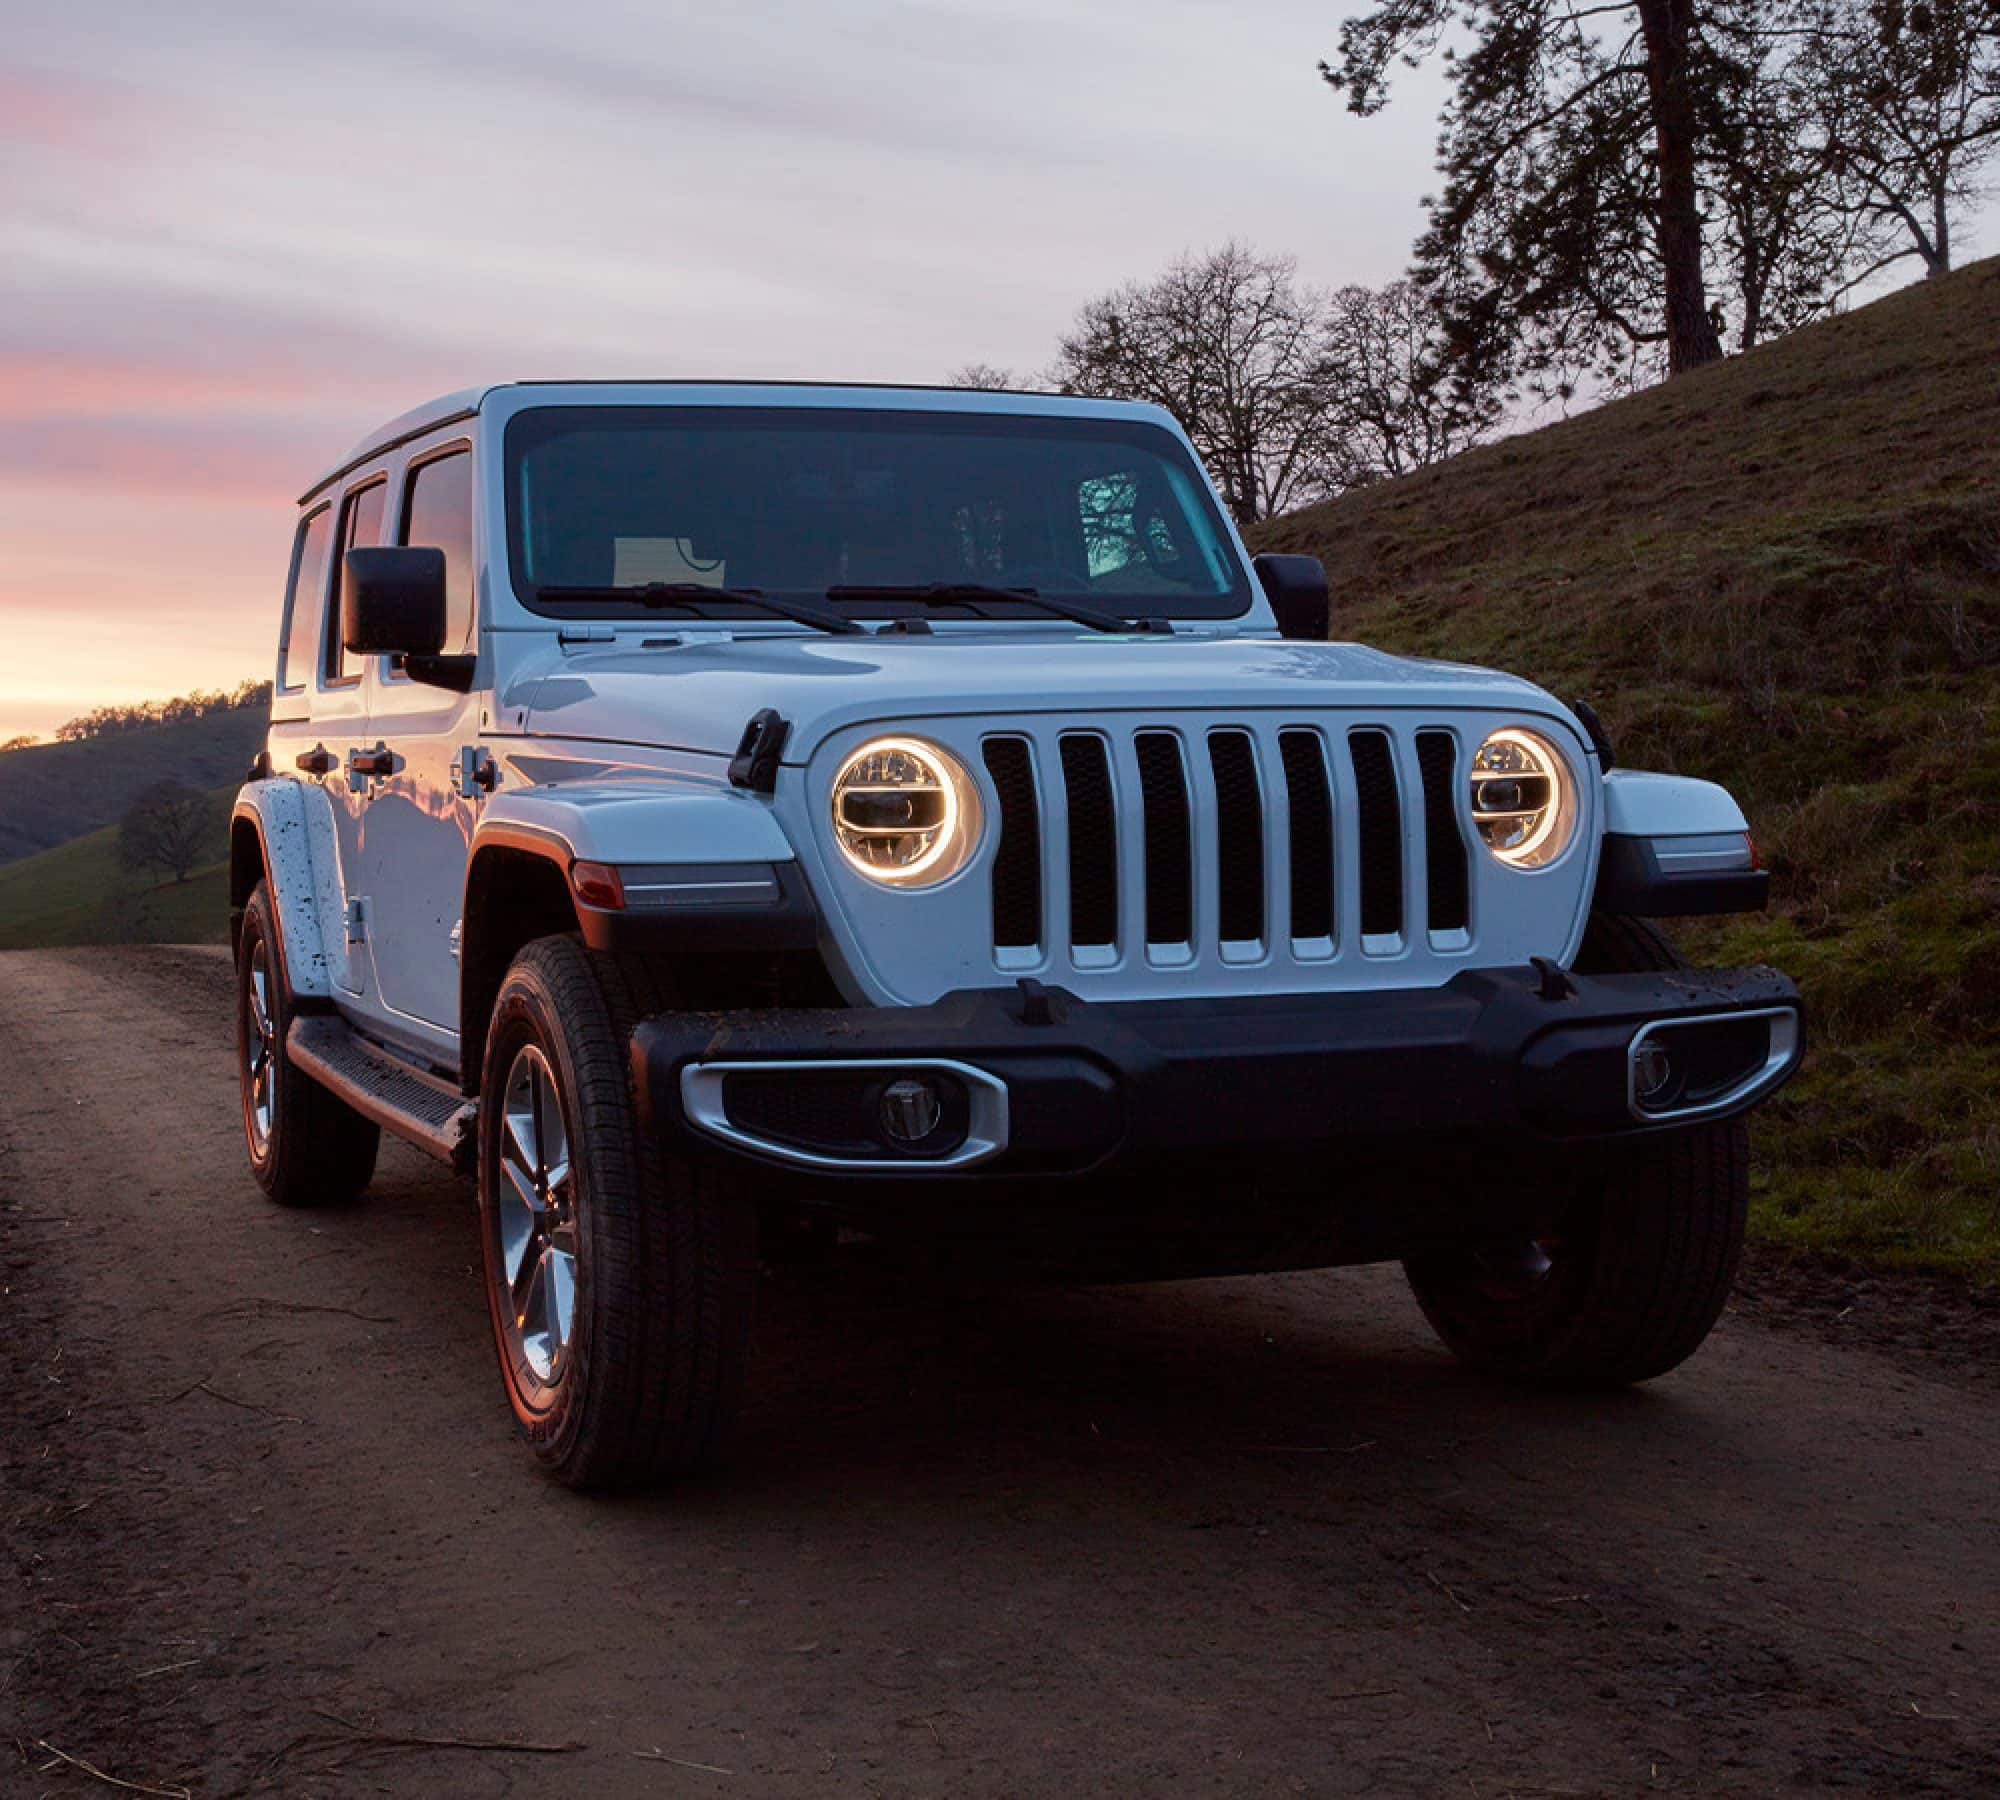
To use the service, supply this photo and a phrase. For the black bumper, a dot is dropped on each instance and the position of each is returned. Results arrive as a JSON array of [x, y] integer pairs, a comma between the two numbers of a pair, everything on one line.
[[1493, 1054]]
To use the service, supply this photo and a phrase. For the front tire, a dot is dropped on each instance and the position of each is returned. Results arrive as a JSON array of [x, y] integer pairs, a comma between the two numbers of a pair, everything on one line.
[[619, 1278], [307, 1146], [1627, 1274]]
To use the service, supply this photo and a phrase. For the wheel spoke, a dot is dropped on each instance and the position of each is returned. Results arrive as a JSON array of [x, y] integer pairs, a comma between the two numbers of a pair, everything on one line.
[[559, 1275], [516, 1209], [522, 1182], [538, 1088], [523, 1286], [554, 1139], [260, 1009], [521, 1130], [532, 1312]]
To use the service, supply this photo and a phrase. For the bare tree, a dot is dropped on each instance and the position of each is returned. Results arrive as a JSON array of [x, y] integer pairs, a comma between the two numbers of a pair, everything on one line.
[[1228, 343], [165, 828], [1908, 100], [1395, 400], [981, 375]]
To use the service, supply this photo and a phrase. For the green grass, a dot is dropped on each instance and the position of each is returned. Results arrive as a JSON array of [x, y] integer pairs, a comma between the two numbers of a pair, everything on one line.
[[77, 894], [1782, 573]]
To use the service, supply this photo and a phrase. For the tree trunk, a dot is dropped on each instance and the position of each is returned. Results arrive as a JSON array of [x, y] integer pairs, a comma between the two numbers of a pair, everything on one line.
[[1691, 335], [1938, 261]]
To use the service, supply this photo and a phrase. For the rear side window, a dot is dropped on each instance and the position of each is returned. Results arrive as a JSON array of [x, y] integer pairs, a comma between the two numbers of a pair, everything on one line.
[[360, 528], [438, 516], [302, 602]]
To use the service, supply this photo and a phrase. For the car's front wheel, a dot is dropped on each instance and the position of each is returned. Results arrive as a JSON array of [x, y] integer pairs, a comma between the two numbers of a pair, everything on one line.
[[619, 1277], [1626, 1271]]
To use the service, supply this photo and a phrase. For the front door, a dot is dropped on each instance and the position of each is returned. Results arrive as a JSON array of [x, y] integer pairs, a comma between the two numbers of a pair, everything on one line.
[[417, 828]]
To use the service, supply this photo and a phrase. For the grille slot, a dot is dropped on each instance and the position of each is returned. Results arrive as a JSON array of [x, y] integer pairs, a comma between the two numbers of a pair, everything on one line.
[[1444, 846], [1232, 846], [1017, 861], [1093, 840], [1309, 802], [1239, 837], [1163, 792], [1380, 828]]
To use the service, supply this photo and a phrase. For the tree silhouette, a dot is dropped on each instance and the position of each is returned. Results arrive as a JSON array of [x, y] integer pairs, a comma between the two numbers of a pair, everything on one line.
[[164, 828]]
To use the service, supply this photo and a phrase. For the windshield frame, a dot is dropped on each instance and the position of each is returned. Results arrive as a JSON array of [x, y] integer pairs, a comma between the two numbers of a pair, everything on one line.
[[532, 422]]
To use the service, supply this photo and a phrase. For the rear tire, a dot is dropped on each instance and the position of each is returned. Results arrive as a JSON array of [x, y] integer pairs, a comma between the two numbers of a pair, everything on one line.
[[1626, 1277], [307, 1146], [620, 1278]]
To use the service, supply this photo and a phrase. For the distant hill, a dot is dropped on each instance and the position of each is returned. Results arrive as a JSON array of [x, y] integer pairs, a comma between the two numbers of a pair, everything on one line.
[[77, 893], [1783, 573], [50, 793]]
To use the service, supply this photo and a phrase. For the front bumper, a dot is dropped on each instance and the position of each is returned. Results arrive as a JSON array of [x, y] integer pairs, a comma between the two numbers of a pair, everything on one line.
[[1038, 1082]]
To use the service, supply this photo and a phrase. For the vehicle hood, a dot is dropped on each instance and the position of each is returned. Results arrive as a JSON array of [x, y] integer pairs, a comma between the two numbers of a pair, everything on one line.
[[699, 694]]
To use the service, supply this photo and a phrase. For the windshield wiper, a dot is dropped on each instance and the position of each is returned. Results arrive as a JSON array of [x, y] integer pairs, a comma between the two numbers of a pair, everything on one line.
[[970, 593], [693, 593]]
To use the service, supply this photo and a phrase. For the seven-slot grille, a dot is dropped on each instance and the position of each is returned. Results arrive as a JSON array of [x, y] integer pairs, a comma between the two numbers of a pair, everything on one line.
[[1315, 841]]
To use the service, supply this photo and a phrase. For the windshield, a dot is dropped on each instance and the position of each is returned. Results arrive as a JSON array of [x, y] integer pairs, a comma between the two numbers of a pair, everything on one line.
[[804, 503]]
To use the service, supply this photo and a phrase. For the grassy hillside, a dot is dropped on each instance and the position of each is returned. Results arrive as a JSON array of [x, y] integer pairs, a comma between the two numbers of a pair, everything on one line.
[[77, 894], [1782, 573], [50, 793]]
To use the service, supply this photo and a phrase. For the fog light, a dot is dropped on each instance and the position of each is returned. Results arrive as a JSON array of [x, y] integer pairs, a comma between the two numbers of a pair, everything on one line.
[[911, 1109], [1652, 1072]]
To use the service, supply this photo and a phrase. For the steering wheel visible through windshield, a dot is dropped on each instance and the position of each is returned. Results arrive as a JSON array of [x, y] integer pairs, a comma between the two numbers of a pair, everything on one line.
[[884, 509]]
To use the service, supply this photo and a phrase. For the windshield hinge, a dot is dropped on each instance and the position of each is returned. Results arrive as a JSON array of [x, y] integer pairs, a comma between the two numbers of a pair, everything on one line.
[[586, 634]]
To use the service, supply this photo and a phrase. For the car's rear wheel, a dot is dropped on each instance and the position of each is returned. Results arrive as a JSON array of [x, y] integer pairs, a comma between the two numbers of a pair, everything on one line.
[[307, 1147], [1625, 1273], [619, 1277]]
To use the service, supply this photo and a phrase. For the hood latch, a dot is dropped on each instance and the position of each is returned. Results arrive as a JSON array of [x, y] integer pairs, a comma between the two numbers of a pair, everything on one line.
[[755, 764]]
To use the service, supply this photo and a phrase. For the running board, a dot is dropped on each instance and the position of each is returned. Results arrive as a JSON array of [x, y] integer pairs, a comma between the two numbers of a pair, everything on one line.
[[423, 1109]]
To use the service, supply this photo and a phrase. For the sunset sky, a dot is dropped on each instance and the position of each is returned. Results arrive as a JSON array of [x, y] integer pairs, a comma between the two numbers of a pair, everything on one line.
[[234, 234]]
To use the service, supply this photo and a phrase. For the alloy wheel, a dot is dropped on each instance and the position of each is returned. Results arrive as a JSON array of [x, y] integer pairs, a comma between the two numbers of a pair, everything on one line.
[[534, 1219], [260, 1049]]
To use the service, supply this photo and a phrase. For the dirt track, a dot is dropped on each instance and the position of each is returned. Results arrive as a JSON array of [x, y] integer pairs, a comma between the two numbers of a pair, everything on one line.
[[1252, 1536]]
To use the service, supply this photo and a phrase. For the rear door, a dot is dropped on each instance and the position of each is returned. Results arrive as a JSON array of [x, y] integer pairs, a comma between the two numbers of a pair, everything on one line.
[[299, 732], [340, 716]]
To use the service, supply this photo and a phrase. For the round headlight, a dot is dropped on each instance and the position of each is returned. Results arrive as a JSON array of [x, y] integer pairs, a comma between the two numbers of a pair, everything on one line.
[[1523, 800], [905, 812]]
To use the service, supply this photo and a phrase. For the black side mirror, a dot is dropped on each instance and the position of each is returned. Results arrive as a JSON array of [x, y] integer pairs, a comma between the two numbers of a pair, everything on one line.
[[1296, 589], [392, 602]]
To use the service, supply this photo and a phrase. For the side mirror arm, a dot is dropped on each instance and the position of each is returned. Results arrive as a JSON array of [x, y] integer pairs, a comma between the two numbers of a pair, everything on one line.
[[453, 672]]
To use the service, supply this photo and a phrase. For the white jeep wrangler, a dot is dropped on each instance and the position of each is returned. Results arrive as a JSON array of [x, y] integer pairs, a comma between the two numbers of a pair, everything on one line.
[[706, 810]]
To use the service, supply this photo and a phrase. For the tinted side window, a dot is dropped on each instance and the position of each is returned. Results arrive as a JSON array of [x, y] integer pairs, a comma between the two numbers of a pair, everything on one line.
[[308, 583], [360, 526], [438, 515]]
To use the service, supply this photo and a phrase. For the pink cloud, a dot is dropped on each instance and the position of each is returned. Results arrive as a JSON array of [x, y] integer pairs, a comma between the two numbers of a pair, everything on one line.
[[227, 462], [70, 112], [35, 386]]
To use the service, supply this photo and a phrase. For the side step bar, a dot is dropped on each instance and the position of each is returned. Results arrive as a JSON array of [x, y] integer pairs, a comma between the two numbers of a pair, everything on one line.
[[419, 1107]]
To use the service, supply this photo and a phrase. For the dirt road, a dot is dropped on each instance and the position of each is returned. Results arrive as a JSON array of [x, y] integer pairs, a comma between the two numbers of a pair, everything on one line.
[[264, 1518]]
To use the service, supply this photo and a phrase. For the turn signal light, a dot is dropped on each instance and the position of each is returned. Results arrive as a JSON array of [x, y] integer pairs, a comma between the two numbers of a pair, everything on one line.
[[597, 884]]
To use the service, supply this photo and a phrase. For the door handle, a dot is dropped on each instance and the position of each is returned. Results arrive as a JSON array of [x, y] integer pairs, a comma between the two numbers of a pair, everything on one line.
[[316, 761], [379, 761]]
